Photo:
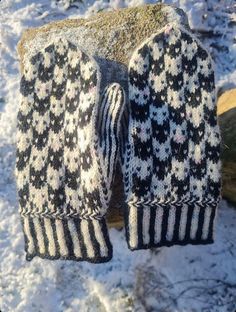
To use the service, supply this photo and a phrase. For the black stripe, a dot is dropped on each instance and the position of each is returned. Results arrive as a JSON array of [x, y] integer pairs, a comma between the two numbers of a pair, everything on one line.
[[33, 234], [211, 224], [140, 225], [46, 240], [25, 237], [177, 223], [153, 211], [104, 230], [81, 239], [68, 238], [94, 241], [189, 222], [55, 238], [164, 224], [201, 218], [41, 221]]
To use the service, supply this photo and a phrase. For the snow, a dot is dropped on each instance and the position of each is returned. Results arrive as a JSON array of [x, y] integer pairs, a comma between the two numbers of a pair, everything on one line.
[[189, 278]]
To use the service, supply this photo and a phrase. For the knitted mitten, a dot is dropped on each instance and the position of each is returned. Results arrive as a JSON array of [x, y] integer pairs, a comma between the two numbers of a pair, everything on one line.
[[67, 147], [171, 163]]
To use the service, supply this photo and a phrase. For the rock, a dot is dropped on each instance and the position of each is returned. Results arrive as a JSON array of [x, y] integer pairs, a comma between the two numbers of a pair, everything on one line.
[[226, 109]]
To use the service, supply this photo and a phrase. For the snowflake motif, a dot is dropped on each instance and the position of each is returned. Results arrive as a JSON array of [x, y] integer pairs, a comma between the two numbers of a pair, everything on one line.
[[84, 139], [178, 169], [195, 114], [41, 125], [144, 96], [61, 46], [189, 49], [43, 89], [87, 70], [139, 64], [193, 85], [197, 154], [145, 168], [70, 123], [30, 71], [161, 150], [86, 177], [213, 170], [56, 106], [145, 131], [207, 100], [204, 65], [58, 74], [39, 163], [53, 178], [56, 143], [197, 187], [47, 60], [38, 197], [159, 82], [175, 98], [213, 137], [157, 50], [74, 58], [179, 132], [173, 65], [71, 90], [22, 141]]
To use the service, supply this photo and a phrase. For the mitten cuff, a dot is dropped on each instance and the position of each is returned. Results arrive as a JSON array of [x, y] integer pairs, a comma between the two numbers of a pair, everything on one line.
[[156, 225], [66, 239]]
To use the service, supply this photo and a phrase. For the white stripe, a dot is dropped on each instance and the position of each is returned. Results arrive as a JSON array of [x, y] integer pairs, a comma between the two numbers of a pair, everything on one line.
[[31, 247], [183, 222], [61, 238], [87, 239], [205, 228], [171, 223], [100, 238], [194, 222], [146, 225], [39, 234], [49, 233], [108, 119], [113, 113], [133, 227], [74, 235], [158, 224]]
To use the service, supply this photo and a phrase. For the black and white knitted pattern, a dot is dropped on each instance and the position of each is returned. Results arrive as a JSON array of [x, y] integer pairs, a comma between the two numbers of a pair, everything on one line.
[[172, 166], [67, 146]]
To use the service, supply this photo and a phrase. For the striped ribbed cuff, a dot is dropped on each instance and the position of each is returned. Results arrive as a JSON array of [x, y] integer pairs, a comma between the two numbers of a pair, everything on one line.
[[168, 225], [66, 239]]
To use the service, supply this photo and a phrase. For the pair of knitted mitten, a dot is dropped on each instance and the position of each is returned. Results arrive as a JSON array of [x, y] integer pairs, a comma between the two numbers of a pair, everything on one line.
[[68, 143], [171, 163], [67, 147]]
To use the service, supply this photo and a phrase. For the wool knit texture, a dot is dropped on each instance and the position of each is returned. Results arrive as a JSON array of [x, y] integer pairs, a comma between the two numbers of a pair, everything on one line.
[[171, 163], [67, 146]]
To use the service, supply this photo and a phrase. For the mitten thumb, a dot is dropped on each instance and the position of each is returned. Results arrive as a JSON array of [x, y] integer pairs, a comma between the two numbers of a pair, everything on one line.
[[109, 115]]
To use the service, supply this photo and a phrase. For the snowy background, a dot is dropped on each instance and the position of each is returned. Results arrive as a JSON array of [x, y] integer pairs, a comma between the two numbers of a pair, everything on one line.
[[176, 279]]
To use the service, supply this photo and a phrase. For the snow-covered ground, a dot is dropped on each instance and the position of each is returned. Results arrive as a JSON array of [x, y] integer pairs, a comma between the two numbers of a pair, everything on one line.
[[176, 279]]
